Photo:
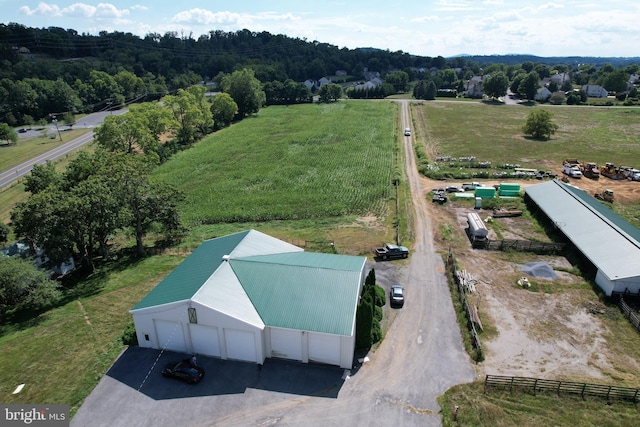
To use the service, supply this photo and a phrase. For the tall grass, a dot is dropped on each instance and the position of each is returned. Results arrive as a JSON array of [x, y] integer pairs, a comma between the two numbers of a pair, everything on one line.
[[290, 163]]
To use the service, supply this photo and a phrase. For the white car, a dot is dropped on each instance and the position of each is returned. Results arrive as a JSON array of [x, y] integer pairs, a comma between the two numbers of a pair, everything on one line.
[[407, 132]]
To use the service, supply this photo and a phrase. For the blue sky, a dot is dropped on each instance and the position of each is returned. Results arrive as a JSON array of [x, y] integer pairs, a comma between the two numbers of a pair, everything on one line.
[[426, 27]]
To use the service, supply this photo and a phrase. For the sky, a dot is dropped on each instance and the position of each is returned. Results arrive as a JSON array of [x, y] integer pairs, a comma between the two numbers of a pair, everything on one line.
[[423, 27]]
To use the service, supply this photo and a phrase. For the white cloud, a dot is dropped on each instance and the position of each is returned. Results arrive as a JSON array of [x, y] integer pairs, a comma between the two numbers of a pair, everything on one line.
[[199, 16], [83, 10], [425, 19]]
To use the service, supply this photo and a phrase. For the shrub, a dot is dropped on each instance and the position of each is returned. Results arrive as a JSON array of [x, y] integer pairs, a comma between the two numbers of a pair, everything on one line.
[[129, 336], [377, 315], [381, 297]]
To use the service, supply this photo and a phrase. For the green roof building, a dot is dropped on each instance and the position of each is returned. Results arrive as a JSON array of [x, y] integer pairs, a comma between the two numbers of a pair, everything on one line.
[[248, 296]]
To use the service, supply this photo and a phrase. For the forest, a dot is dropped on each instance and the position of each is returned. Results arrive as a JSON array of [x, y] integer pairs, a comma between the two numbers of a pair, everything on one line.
[[52, 72]]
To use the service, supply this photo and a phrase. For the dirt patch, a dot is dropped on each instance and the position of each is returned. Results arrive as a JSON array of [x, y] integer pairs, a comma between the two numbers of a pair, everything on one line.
[[549, 330]]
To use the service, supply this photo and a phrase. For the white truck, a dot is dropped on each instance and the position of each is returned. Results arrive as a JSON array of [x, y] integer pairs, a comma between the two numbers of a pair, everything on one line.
[[571, 170]]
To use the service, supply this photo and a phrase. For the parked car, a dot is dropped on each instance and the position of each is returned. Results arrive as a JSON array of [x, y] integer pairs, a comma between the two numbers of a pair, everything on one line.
[[407, 132], [454, 189], [183, 370], [396, 295], [22, 130]]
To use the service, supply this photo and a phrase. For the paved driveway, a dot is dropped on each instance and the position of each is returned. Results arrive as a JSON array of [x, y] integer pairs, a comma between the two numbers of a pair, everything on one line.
[[134, 393]]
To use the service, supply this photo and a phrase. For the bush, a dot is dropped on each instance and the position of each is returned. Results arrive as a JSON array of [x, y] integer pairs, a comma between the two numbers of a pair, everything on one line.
[[129, 336], [376, 332], [381, 296], [377, 314]]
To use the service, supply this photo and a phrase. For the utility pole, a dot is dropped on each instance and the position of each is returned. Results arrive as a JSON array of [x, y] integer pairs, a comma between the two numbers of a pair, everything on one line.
[[55, 122]]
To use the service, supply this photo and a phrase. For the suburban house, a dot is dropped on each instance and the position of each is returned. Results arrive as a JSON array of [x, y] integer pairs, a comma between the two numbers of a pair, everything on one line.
[[473, 86], [249, 296], [609, 242], [542, 94], [595, 91], [560, 78]]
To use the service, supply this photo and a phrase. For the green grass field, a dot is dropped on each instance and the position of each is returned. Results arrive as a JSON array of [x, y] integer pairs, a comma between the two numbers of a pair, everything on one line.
[[494, 133], [28, 148], [290, 163]]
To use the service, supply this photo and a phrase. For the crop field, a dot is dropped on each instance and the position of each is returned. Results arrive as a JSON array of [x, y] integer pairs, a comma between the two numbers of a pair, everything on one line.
[[290, 163], [494, 133]]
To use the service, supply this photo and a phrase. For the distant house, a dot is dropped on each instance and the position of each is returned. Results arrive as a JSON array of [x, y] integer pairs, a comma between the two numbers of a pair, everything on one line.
[[473, 86], [595, 91], [310, 84], [542, 94], [323, 81], [634, 79], [560, 78], [341, 73], [366, 85]]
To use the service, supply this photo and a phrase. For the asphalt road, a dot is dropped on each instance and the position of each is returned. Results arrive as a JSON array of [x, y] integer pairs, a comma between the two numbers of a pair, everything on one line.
[[421, 356], [90, 121]]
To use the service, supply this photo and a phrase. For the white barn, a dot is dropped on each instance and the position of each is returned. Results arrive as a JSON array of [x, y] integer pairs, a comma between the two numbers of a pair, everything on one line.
[[249, 296], [609, 242]]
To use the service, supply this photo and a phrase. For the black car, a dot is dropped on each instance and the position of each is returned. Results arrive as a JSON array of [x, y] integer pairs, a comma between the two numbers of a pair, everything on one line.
[[184, 371]]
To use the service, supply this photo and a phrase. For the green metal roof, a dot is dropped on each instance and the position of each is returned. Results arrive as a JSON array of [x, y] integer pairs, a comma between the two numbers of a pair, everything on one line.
[[191, 274], [288, 288], [303, 291], [603, 210]]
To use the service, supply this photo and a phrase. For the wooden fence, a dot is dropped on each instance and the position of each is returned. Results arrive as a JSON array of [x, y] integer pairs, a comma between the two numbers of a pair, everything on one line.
[[628, 312], [536, 385], [520, 245], [470, 314]]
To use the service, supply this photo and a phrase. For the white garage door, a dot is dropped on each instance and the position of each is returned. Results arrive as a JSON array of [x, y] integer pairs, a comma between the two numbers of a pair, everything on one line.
[[241, 345], [286, 344], [170, 335], [324, 348], [204, 340]]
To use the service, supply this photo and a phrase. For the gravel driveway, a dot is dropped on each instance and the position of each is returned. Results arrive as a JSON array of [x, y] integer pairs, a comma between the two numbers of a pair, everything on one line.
[[421, 356]]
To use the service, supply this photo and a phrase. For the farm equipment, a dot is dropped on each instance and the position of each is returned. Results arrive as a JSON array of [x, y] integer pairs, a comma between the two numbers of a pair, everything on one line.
[[439, 195], [606, 195], [590, 170], [612, 172]]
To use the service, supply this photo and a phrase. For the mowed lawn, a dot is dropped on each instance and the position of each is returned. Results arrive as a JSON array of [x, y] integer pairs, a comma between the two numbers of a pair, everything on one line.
[[289, 163], [494, 133], [298, 162]]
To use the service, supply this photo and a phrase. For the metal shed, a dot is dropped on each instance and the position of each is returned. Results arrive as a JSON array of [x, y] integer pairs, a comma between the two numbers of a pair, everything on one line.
[[607, 240]]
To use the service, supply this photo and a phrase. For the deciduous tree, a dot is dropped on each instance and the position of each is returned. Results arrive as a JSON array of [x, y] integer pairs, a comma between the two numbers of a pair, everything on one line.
[[539, 124], [223, 109], [496, 84], [23, 286], [245, 90], [8, 134]]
